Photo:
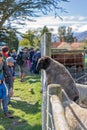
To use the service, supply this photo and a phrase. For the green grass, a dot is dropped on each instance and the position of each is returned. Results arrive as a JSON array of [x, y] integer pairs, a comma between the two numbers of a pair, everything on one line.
[[26, 106], [85, 62]]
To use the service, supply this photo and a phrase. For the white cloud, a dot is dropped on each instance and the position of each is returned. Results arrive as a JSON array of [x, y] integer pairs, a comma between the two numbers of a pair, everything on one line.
[[81, 18], [83, 28], [78, 23]]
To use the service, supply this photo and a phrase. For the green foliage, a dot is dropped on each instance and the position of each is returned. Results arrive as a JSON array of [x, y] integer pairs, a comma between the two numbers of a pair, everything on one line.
[[62, 32], [26, 106], [69, 35], [66, 34], [31, 39], [17, 8], [24, 42], [86, 61], [8, 35], [30, 36], [44, 30]]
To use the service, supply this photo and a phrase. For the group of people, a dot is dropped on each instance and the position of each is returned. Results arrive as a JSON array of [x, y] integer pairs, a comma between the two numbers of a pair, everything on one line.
[[7, 76], [26, 60]]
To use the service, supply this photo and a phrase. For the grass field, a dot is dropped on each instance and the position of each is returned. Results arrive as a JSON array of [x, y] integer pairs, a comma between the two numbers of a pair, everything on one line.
[[86, 62], [25, 107]]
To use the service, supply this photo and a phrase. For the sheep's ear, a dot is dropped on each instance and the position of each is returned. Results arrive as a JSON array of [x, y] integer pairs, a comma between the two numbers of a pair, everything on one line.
[[47, 60]]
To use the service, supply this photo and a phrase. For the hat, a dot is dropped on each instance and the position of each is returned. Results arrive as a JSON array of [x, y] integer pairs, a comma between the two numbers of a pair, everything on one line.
[[10, 59], [5, 48]]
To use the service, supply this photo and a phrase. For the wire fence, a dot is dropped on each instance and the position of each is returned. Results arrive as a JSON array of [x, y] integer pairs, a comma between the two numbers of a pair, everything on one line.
[[50, 122], [74, 61]]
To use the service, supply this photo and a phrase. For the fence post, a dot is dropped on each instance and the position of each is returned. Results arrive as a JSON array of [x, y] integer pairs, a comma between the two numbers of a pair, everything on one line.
[[60, 122], [45, 51], [55, 109], [52, 89]]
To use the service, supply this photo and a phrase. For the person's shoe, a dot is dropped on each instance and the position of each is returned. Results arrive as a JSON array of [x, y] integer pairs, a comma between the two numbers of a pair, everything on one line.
[[8, 115], [9, 112]]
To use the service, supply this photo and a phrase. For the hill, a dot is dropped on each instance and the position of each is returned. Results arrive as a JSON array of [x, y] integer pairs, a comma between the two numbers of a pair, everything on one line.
[[81, 35]]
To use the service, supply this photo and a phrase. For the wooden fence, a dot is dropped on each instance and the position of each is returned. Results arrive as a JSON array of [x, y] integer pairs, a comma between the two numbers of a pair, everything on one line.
[[52, 110], [51, 95], [55, 112], [45, 50]]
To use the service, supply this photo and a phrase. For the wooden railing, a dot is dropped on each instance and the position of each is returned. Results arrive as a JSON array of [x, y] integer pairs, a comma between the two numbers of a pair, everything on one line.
[[55, 111]]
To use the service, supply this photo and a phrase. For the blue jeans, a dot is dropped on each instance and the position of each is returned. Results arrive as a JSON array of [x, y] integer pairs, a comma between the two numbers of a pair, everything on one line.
[[6, 100], [5, 105]]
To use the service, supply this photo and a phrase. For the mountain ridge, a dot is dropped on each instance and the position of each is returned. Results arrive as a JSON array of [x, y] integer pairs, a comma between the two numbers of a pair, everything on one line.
[[81, 35]]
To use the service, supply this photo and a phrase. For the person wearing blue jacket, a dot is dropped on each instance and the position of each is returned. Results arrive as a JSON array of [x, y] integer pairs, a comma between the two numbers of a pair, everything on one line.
[[2, 88], [3, 92]]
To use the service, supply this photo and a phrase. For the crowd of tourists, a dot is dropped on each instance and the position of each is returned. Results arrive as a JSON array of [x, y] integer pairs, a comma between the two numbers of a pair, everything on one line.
[[26, 60]]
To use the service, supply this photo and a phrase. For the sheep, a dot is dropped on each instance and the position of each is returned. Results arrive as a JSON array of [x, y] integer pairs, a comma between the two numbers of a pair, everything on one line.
[[56, 73], [82, 94], [75, 115]]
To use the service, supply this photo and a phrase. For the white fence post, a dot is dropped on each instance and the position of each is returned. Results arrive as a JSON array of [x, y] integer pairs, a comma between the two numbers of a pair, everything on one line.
[[60, 122], [52, 89], [55, 112], [45, 51]]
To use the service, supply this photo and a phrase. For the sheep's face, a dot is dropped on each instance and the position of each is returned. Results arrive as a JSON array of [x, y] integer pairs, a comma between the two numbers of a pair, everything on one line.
[[43, 63]]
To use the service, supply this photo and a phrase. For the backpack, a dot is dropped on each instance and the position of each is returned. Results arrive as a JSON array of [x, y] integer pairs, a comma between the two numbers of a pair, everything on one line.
[[19, 59]]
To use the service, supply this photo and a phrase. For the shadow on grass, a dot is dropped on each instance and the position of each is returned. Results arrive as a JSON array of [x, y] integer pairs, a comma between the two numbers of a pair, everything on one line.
[[27, 127], [26, 107], [19, 123], [33, 79]]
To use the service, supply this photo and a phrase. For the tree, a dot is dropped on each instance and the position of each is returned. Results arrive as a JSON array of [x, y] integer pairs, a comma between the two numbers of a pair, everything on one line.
[[30, 39], [27, 8], [62, 32], [69, 35], [8, 36], [24, 42], [44, 30], [66, 34]]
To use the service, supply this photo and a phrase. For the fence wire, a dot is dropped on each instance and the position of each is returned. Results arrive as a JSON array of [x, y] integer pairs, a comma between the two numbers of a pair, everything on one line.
[[50, 122], [75, 62]]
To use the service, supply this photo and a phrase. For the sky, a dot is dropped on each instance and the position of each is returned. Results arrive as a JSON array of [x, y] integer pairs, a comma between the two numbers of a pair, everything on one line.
[[75, 18]]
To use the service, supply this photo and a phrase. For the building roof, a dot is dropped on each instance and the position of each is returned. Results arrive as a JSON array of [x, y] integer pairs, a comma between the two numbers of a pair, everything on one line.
[[65, 45], [75, 45], [61, 45], [55, 44]]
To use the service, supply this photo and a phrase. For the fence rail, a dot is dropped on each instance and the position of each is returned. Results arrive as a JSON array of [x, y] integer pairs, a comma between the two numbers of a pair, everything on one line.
[[55, 112]]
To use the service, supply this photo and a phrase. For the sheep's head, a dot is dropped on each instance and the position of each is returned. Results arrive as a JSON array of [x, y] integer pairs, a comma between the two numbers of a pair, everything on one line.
[[43, 63]]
